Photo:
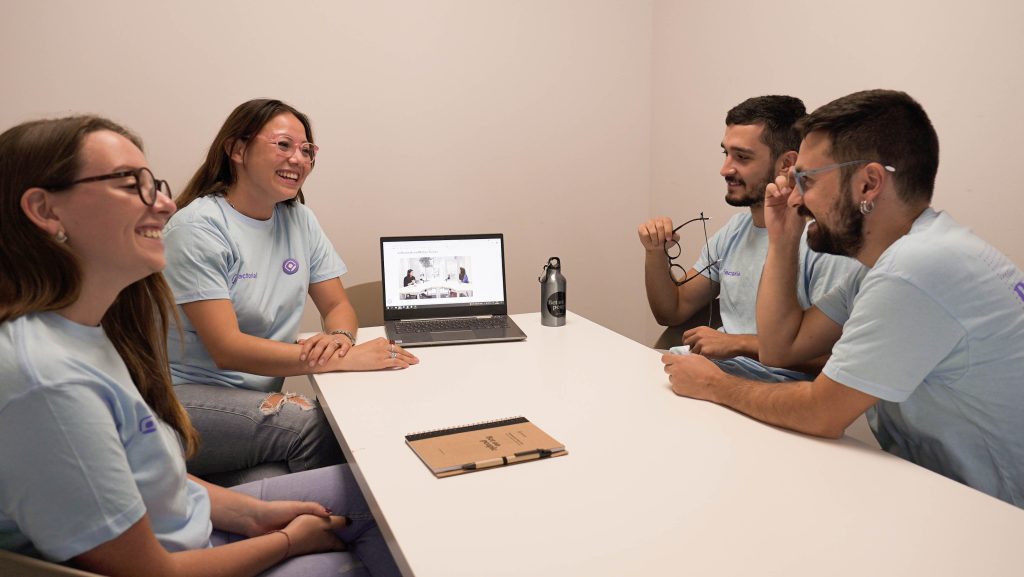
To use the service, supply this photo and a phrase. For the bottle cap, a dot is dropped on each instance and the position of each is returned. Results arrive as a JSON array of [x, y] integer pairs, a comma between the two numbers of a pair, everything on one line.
[[553, 262]]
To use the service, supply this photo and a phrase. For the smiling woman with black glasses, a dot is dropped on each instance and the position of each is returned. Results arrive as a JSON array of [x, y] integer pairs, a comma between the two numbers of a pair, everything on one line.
[[93, 458]]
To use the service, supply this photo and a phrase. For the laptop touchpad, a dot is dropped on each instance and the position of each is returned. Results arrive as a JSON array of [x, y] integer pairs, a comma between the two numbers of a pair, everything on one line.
[[456, 335]]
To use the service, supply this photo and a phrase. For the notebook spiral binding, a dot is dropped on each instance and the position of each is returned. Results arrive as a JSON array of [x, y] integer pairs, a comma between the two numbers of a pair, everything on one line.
[[462, 429]]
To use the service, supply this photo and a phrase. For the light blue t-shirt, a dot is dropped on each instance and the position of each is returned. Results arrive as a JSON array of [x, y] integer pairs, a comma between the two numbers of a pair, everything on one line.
[[937, 333], [83, 457], [264, 267], [740, 247]]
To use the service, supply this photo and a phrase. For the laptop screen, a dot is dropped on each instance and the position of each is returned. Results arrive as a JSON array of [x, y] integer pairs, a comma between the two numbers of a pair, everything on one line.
[[441, 276]]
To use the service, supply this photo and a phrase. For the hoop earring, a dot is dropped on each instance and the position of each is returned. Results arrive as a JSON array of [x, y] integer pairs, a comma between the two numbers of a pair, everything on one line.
[[866, 206], [61, 236]]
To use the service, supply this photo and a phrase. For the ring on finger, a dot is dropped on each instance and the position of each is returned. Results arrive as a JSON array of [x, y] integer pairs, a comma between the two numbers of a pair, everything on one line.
[[337, 343], [394, 354]]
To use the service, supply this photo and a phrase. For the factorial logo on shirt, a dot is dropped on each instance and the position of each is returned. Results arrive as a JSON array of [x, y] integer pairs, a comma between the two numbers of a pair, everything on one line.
[[290, 266], [147, 425], [731, 273], [242, 276], [1020, 290]]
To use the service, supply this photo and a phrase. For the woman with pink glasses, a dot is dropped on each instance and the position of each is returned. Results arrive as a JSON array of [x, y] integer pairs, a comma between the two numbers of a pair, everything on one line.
[[243, 252]]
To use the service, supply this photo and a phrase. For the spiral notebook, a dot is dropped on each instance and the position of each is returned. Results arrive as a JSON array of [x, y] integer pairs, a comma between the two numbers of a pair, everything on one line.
[[457, 450]]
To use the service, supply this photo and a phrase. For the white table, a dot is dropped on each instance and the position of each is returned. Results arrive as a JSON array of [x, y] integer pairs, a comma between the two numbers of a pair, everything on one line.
[[654, 484]]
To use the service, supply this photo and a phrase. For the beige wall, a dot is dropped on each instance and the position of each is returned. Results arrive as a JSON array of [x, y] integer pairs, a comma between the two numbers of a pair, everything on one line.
[[530, 118], [563, 123]]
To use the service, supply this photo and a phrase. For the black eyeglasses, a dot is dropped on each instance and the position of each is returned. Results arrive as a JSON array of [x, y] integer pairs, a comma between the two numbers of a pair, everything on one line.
[[673, 251], [146, 185]]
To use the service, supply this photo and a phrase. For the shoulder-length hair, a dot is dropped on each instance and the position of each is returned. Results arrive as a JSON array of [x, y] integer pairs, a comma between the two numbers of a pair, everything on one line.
[[217, 173], [39, 274]]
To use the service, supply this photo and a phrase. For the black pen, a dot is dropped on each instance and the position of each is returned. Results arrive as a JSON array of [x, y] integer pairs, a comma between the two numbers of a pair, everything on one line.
[[515, 458], [541, 453]]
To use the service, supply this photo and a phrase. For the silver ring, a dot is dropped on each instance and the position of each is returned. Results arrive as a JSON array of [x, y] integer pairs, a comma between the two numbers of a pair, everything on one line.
[[394, 354], [337, 343]]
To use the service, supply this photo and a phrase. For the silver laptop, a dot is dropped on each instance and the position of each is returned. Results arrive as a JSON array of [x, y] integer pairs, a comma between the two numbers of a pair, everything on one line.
[[443, 290]]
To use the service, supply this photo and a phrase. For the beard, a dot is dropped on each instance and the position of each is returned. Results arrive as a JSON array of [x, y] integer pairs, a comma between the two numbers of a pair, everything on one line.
[[752, 195], [847, 238]]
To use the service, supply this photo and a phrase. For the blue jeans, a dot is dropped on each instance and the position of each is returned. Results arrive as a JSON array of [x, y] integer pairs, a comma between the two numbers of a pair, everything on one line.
[[748, 368], [245, 438], [336, 489]]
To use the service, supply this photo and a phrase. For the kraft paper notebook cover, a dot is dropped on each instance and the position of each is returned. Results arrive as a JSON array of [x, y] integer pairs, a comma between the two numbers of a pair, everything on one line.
[[458, 450]]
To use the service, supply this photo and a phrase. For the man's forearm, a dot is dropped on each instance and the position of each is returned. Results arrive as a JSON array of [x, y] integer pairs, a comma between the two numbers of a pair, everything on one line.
[[791, 405], [747, 346], [662, 293], [778, 310]]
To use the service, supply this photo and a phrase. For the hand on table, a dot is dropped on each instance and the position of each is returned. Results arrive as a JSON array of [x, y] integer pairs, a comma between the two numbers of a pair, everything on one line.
[[691, 375], [372, 355], [708, 342], [320, 348]]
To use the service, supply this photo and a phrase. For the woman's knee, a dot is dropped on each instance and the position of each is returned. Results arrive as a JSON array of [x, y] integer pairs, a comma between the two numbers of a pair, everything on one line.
[[274, 402]]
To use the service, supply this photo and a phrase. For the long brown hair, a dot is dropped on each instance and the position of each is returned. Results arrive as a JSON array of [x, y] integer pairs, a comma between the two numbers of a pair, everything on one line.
[[217, 174], [39, 274]]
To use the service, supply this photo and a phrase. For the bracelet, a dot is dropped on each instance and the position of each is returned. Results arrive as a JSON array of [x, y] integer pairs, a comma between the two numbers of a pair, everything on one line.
[[288, 548], [350, 336]]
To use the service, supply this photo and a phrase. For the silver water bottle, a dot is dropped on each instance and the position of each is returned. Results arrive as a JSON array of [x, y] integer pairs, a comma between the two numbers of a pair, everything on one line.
[[552, 294]]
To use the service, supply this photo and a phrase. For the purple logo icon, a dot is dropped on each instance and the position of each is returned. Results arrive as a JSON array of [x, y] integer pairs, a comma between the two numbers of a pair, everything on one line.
[[1020, 290], [290, 266], [147, 425]]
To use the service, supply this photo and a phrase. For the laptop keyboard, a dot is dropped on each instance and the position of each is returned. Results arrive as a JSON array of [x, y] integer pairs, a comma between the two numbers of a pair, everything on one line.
[[459, 324]]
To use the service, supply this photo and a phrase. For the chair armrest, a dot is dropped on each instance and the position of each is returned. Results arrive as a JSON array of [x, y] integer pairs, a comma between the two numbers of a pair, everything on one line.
[[15, 565]]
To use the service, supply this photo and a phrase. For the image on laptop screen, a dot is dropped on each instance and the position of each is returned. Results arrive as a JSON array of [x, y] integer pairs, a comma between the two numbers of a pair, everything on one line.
[[426, 275]]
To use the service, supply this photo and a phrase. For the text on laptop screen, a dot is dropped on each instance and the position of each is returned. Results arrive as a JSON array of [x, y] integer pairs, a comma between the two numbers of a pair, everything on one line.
[[420, 274]]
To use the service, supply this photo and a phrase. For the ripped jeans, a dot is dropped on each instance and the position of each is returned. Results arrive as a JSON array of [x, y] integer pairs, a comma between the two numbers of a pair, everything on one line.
[[249, 435]]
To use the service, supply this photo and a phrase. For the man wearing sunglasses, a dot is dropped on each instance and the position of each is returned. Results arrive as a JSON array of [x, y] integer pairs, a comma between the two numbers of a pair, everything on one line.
[[930, 344], [760, 143]]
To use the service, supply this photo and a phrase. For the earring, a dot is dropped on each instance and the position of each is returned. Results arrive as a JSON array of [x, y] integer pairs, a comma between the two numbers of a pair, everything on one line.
[[61, 236], [866, 206]]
